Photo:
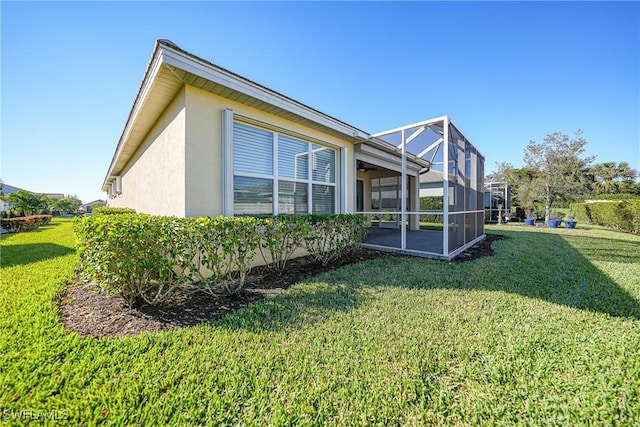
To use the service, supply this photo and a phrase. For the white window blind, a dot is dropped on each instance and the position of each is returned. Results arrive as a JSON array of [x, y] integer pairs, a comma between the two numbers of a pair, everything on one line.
[[252, 149], [293, 158], [324, 164], [263, 186]]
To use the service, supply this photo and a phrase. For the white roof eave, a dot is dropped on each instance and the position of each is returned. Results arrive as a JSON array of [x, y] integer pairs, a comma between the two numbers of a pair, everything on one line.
[[165, 54]]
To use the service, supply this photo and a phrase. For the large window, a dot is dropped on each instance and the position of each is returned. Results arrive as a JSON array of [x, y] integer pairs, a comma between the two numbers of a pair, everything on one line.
[[275, 173]]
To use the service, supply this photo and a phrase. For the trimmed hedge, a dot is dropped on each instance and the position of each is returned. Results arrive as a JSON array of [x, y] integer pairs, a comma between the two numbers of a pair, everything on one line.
[[616, 196], [24, 223], [108, 210], [328, 237], [281, 237], [145, 258], [432, 203], [621, 215]]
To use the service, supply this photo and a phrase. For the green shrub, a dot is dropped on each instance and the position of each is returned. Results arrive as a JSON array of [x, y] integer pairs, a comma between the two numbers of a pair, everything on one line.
[[555, 215], [128, 254], [227, 249], [603, 213], [330, 236], [24, 223], [616, 196], [431, 203], [581, 211], [635, 220], [108, 210], [620, 215], [623, 215], [280, 237], [146, 258]]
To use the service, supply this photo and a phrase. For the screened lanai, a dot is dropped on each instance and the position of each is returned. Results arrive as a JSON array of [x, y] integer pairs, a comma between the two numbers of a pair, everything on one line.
[[497, 201], [421, 188]]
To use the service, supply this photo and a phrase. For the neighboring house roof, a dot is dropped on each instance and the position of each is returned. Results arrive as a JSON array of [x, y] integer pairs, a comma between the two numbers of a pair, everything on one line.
[[8, 189], [432, 176], [54, 195], [171, 67], [94, 203]]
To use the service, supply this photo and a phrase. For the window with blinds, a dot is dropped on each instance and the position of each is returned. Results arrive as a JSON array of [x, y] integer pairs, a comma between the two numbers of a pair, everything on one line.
[[275, 173], [293, 158], [252, 196], [253, 149]]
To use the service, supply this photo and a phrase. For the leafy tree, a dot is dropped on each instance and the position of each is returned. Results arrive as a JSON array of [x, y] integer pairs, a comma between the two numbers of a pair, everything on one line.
[[522, 181], [66, 205], [554, 170], [611, 178], [559, 166]]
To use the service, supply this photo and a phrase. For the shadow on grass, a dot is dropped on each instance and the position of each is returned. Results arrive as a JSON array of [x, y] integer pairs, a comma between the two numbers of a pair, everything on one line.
[[12, 255], [297, 308], [9, 236], [537, 265], [45, 227], [550, 268], [599, 249]]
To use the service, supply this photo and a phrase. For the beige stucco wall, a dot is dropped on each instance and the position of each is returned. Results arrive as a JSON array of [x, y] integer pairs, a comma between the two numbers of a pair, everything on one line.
[[178, 168], [203, 180], [154, 179], [204, 149]]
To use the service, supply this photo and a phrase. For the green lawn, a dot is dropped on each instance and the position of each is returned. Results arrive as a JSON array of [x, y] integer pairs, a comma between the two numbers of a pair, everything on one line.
[[545, 332]]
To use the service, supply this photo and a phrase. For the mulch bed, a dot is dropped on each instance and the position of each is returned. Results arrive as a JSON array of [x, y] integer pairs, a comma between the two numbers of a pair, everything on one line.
[[90, 313]]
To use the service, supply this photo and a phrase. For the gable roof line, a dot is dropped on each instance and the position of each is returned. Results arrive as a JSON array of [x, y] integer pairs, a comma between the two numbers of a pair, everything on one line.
[[259, 89], [167, 52], [135, 106], [175, 58]]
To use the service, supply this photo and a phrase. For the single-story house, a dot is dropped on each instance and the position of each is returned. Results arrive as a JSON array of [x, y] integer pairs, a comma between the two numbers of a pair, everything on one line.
[[201, 140], [88, 207], [5, 190], [55, 196]]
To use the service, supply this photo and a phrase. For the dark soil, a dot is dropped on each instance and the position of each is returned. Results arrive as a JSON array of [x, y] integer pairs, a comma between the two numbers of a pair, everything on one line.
[[91, 313]]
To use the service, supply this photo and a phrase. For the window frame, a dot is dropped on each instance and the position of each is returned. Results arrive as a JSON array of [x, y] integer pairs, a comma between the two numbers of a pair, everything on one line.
[[312, 145]]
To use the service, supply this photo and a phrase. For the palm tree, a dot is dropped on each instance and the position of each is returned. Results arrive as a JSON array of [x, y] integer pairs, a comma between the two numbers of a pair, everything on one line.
[[25, 203], [613, 178]]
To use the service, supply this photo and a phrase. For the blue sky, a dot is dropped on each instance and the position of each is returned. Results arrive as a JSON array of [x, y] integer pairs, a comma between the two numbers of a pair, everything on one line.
[[506, 73]]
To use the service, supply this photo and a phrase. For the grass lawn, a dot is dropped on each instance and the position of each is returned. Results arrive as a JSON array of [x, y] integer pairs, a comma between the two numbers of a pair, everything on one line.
[[547, 331]]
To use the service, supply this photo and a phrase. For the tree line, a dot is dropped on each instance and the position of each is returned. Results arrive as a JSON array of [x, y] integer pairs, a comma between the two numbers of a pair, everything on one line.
[[23, 203], [558, 171]]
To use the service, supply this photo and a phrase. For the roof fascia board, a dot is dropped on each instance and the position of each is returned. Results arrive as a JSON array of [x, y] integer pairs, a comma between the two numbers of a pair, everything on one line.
[[390, 163], [214, 74], [145, 86]]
